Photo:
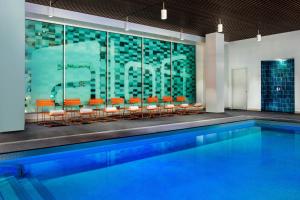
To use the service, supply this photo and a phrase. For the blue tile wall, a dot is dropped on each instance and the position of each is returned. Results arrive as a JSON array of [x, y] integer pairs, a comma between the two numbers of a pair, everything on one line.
[[278, 86]]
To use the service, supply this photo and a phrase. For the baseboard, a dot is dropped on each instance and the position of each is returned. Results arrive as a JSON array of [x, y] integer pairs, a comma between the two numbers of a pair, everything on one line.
[[249, 109], [253, 109]]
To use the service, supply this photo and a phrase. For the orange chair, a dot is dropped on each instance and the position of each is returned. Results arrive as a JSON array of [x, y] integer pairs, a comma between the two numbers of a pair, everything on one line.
[[117, 107], [152, 107], [71, 103], [87, 115], [96, 105], [117, 101], [135, 100], [182, 106], [169, 107], [48, 103], [134, 109], [197, 108], [180, 99], [167, 99], [72, 106]]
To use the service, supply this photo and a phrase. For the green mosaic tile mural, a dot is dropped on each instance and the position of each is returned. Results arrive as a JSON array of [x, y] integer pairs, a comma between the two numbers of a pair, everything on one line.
[[124, 67], [157, 68], [44, 63], [184, 71], [87, 68], [85, 63]]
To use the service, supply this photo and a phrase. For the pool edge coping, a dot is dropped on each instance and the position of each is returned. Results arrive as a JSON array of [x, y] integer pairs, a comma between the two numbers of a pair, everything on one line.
[[55, 141]]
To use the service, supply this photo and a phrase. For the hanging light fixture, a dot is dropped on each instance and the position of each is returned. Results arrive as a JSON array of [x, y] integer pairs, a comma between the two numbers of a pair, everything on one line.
[[163, 12], [50, 9], [220, 26], [126, 25], [258, 36], [181, 35]]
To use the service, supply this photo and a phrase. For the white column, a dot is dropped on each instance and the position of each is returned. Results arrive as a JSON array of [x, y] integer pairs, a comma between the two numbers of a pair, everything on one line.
[[214, 73], [12, 64], [200, 86]]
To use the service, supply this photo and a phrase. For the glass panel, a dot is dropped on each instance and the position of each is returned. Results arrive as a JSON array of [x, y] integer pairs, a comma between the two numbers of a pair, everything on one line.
[[85, 64], [184, 71], [124, 70], [157, 68], [44, 63]]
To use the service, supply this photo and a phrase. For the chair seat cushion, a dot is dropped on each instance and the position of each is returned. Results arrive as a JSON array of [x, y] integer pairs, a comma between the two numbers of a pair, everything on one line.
[[151, 107], [56, 112], [198, 105], [184, 105], [133, 108], [85, 110], [111, 109], [169, 106]]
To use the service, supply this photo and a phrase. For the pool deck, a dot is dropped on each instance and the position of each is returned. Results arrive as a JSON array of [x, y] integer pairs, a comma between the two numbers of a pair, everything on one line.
[[35, 136]]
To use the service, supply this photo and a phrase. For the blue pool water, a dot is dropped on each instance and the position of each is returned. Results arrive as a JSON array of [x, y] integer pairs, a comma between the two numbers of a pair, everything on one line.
[[243, 160]]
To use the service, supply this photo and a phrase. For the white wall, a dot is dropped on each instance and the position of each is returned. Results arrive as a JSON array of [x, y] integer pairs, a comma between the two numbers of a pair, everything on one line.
[[249, 54], [12, 65]]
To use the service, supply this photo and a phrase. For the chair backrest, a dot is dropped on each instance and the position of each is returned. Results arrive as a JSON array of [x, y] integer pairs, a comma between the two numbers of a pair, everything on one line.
[[44, 103], [134, 100], [152, 100], [96, 102], [72, 102], [167, 99], [116, 101], [180, 99]]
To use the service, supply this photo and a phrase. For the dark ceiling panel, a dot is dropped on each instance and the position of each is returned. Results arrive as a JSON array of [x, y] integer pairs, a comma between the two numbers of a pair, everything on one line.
[[241, 18]]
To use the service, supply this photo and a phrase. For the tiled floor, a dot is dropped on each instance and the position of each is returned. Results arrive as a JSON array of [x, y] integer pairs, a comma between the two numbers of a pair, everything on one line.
[[36, 136]]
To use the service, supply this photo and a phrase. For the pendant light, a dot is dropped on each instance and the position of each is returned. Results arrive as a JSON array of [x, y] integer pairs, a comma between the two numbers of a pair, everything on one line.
[[50, 9], [258, 36], [181, 35], [126, 25], [220, 26], [163, 12]]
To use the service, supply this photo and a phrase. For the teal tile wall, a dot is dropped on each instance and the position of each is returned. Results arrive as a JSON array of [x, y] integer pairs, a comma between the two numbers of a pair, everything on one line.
[[125, 66], [184, 71], [87, 68], [44, 63], [278, 85], [85, 63], [157, 68]]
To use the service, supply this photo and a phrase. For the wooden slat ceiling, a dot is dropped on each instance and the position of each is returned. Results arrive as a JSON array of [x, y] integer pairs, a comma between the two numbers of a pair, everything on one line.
[[241, 18]]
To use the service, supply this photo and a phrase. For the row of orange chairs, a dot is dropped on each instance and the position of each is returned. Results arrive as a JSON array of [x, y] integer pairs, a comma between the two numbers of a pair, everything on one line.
[[99, 101], [74, 106]]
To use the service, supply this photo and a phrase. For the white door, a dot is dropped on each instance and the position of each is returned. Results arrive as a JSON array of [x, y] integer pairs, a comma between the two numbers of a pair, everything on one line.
[[239, 88]]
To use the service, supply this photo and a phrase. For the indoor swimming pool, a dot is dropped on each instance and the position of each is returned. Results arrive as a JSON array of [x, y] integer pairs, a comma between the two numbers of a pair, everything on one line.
[[242, 160]]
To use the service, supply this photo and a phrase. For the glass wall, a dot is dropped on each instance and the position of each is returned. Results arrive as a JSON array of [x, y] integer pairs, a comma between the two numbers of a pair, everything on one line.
[[156, 69], [184, 71], [125, 66], [103, 65], [44, 63], [85, 64]]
